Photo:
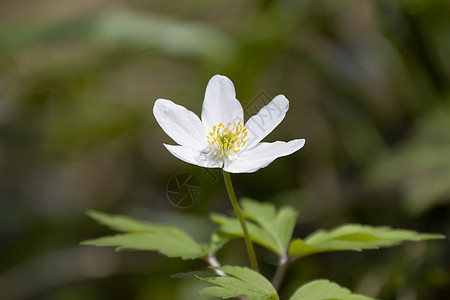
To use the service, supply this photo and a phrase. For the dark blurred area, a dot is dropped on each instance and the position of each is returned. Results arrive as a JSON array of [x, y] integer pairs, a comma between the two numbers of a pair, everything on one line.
[[368, 84]]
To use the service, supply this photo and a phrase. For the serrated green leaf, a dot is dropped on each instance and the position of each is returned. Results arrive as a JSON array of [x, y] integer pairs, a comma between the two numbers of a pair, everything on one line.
[[267, 226], [232, 226], [280, 225], [166, 239], [239, 282], [354, 237], [218, 240], [325, 290], [284, 225], [299, 248], [121, 223]]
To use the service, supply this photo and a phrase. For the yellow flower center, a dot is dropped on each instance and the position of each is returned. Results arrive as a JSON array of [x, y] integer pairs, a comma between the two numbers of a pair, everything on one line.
[[227, 140]]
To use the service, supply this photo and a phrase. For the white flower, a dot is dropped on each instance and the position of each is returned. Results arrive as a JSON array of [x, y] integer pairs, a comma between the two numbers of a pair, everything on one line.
[[219, 139]]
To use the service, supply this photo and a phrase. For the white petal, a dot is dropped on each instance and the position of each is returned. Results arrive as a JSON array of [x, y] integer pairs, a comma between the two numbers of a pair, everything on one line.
[[262, 155], [220, 103], [182, 125], [261, 124], [195, 157]]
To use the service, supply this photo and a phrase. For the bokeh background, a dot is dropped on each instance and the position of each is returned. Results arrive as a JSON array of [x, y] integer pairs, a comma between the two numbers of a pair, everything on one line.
[[368, 83]]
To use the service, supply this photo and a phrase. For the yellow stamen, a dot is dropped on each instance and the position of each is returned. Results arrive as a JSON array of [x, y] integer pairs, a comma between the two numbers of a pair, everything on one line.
[[228, 142]]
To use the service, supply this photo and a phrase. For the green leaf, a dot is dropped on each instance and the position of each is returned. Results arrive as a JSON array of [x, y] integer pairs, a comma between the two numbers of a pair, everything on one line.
[[167, 239], [218, 240], [354, 237], [121, 223], [279, 225], [267, 227], [325, 290], [239, 282], [231, 226]]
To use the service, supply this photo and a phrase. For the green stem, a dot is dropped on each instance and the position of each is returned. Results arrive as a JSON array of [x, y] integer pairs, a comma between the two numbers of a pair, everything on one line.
[[281, 271], [240, 215]]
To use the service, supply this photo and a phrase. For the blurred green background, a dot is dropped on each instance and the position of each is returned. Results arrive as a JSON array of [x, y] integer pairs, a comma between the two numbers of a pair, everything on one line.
[[368, 83]]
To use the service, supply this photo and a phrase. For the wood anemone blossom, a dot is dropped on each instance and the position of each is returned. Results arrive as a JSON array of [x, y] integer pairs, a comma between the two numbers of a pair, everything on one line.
[[221, 139]]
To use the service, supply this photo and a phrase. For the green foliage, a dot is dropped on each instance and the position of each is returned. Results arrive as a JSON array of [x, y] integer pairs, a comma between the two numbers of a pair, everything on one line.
[[232, 227], [267, 227], [218, 240], [354, 237], [325, 290], [167, 239], [273, 230], [239, 282], [78, 80], [278, 224]]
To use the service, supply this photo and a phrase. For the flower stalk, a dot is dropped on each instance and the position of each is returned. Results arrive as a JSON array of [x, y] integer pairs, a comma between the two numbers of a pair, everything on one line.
[[240, 215]]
